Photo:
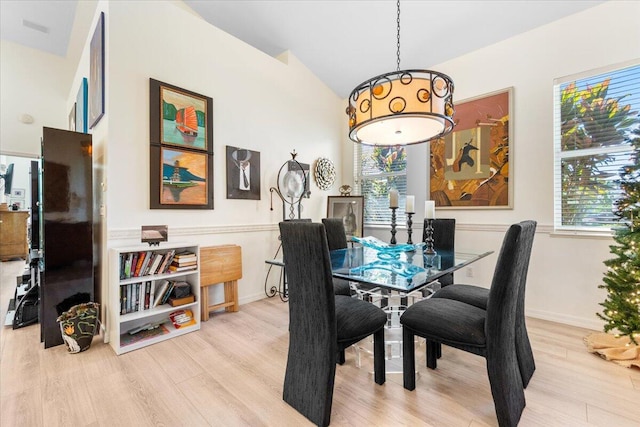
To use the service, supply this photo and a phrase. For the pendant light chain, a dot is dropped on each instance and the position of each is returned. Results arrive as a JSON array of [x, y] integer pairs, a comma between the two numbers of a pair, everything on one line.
[[398, 45]]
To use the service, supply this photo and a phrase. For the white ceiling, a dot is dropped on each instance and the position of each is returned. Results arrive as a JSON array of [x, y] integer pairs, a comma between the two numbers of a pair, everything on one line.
[[342, 42]]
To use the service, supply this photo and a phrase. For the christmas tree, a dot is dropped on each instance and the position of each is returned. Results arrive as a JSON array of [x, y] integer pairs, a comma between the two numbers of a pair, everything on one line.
[[622, 280]]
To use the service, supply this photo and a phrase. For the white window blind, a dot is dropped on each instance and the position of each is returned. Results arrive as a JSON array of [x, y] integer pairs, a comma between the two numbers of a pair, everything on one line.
[[594, 114], [378, 170]]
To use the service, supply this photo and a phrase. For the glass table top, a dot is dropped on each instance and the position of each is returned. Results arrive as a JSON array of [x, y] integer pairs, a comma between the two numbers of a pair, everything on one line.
[[404, 268], [400, 270]]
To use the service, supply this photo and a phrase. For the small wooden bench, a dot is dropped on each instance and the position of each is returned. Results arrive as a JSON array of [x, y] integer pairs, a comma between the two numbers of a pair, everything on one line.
[[220, 264]]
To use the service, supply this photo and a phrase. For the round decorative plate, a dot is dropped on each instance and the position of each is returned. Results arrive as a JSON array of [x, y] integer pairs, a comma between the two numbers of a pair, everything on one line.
[[325, 173]]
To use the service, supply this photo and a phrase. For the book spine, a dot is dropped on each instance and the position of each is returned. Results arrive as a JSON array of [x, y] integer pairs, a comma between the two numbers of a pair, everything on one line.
[[129, 298], [167, 294], [123, 299], [141, 258], [147, 293], [170, 260], [152, 294]]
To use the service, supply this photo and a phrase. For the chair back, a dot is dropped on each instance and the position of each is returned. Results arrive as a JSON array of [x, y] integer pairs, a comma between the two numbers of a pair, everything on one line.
[[508, 279], [444, 233], [312, 320], [336, 234]]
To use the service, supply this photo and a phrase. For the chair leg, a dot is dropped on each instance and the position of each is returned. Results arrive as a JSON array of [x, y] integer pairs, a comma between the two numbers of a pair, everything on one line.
[[506, 388], [341, 357], [378, 357], [432, 354], [408, 359], [438, 350]]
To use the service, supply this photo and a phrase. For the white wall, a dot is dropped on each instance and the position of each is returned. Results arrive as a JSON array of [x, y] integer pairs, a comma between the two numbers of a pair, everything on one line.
[[259, 102], [565, 271], [273, 107], [35, 83]]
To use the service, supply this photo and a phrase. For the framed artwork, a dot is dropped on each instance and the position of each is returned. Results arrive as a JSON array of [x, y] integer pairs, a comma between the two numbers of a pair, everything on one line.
[[181, 144], [154, 234], [96, 73], [351, 210], [72, 118], [18, 203], [183, 118], [18, 193], [470, 167], [81, 107], [184, 178], [243, 173]]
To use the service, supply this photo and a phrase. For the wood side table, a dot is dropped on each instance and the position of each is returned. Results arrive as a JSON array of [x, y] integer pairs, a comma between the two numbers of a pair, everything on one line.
[[220, 265]]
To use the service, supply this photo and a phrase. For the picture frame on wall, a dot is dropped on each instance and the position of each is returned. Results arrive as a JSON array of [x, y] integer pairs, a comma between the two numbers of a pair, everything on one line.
[[351, 210], [184, 117], [185, 178], [72, 118], [96, 73], [181, 152], [243, 173], [81, 107], [471, 167]]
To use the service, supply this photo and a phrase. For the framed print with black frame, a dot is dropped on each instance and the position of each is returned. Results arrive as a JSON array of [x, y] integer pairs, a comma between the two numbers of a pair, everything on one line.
[[181, 148], [243, 173], [351, 210]]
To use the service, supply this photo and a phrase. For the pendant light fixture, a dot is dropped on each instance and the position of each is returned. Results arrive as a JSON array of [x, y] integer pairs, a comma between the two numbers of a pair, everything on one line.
[[402, 107]]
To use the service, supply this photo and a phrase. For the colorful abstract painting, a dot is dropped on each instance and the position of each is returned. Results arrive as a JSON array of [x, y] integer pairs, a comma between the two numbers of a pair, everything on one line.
[[470, 166]]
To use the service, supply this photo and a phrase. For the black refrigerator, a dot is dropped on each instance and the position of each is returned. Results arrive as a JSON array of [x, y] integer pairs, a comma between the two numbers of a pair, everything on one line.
[[70, 265]]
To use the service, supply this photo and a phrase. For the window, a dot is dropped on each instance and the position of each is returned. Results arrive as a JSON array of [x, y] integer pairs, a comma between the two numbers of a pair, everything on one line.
[[594, 115], [378, 170]]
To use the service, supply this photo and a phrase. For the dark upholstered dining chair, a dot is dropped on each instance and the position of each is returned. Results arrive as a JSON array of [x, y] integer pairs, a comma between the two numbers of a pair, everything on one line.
[[337, 239], [490, 333], [321, 324], [478, 297], [444, 233]]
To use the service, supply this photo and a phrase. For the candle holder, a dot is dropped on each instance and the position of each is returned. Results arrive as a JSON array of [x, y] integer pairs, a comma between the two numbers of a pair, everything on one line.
[[409, 225], [428, 241], [393, 225]]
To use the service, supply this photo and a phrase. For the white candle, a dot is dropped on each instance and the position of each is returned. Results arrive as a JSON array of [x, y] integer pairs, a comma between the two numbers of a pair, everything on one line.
[[393, 198], [429, 209], [410, 204]]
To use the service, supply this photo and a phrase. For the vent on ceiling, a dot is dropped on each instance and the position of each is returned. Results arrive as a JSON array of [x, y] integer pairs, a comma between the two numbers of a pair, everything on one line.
[[35, 26]]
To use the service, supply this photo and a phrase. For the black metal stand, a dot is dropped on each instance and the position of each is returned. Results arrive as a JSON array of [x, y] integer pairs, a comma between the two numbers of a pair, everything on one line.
[[409, 225], [428, 250], [393, 225], [281, 290]]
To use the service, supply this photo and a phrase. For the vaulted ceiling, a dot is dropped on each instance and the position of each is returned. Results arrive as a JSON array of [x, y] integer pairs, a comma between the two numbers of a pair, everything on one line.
[[342, 42]]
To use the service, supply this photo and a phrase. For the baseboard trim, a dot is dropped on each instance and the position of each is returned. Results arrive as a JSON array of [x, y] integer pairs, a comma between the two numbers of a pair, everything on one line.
[[581, 322]]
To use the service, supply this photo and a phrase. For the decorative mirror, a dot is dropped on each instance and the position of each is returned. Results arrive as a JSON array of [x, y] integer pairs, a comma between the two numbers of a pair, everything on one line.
[[292, 182], [325, 173]]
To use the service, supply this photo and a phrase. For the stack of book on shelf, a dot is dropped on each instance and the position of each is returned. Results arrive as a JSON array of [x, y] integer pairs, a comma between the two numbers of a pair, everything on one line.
[[142, 296], [184, 261], [144, 332], [145, 263]]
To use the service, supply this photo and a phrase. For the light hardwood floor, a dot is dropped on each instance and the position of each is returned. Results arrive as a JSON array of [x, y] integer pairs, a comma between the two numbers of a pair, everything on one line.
[[230, 373]]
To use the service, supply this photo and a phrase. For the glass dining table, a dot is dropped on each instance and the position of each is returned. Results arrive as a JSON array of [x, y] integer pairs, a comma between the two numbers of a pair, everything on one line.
[[403, 268], [391, 277]]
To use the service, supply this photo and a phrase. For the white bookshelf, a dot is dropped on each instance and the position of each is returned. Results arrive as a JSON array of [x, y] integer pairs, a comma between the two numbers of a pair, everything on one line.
[[120, 323]]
